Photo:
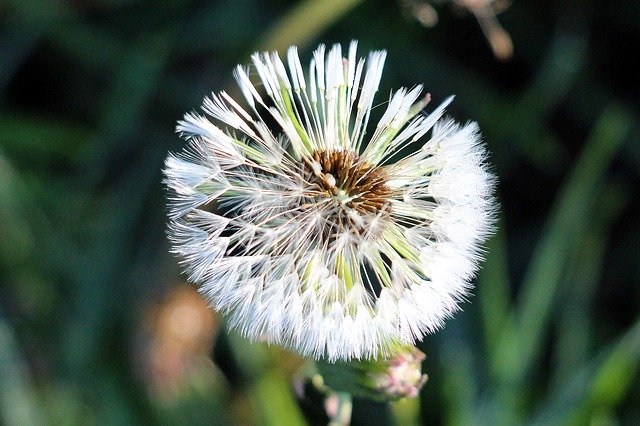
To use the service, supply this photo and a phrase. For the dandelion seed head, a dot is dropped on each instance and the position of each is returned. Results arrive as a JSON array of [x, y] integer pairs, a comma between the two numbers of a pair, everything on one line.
[[305, 233]]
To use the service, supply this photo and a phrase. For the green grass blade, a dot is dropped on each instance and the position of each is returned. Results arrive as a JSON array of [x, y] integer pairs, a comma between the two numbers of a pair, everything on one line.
[[576, 318], [494, 291], [275, 401], [304, 22], [595, 388], [617, 373], [459, 383], [565, 226]]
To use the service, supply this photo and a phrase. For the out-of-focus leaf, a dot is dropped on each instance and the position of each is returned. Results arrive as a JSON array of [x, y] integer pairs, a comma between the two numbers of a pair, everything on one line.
[[201, 401], [618, 372], [494, 292], [270, 391], [304, 22], [17, 239], [40, 139], [103, 272], [275, 401], [64, 405], [251, 359], [459, 383], [138, 74], [596, 387], [18, 401], [92, 47], [564, 60], [104, 264], [566, 225], [501, 335], [585, 271], [112, 405]]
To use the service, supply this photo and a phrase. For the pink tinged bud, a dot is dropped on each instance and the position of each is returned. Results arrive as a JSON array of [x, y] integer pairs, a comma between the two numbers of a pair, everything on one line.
[[403, 376]]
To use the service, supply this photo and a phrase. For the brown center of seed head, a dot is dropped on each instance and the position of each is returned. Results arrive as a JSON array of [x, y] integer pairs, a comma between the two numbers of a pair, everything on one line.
[[354, 184]]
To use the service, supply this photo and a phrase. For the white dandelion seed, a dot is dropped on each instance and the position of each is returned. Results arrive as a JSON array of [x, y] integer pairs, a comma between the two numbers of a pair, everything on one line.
[[316, 232]]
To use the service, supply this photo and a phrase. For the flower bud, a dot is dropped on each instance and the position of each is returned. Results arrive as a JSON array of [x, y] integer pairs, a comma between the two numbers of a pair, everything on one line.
[[399, 376], [403, 376]]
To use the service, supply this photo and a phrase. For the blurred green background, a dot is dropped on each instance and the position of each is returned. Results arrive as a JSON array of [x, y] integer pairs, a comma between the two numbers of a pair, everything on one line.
[[96, 323]]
